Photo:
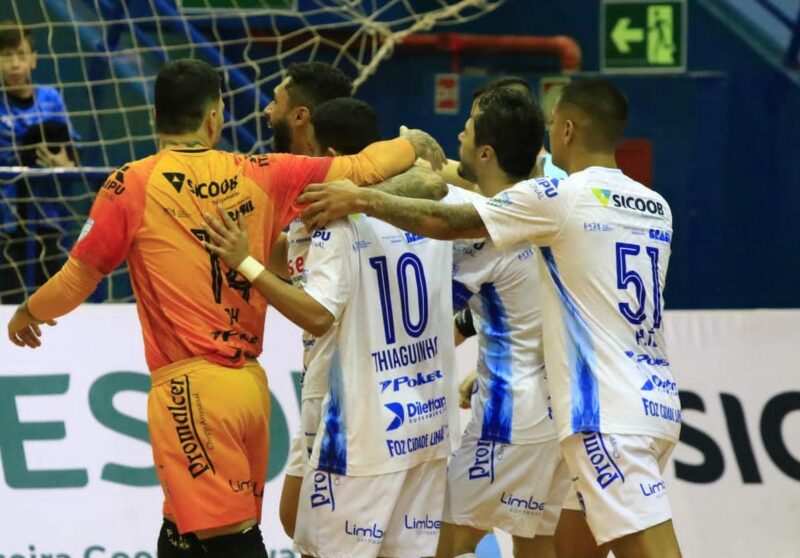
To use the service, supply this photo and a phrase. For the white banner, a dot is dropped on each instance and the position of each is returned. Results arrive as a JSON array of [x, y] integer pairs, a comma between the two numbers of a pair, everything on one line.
[[734, 481], [78, 480], [77, 467]]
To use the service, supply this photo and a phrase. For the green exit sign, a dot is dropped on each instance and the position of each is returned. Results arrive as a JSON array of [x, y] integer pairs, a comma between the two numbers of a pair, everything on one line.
[[643, 36]]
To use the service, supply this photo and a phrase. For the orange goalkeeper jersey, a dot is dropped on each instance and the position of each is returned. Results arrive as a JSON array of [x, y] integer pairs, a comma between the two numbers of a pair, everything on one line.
[[150, 212]]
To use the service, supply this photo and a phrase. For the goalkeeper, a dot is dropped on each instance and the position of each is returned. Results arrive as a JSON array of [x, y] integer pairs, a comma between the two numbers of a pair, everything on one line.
[[208, 409]]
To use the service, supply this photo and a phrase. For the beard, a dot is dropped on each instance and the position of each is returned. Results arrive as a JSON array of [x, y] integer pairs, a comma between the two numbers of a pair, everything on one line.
[[281, 137], [467, 173]]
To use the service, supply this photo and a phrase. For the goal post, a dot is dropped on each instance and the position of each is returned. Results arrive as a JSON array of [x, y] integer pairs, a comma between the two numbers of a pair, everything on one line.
[[103, 56]]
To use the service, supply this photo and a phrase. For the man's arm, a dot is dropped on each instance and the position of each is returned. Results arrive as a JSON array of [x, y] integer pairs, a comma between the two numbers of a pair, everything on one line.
[[103, 245], [384, 159], [279, 256], [449, 173], [284, 176], [328, 202], [231, 244], [62, 293], [293, 303], [416, 182]]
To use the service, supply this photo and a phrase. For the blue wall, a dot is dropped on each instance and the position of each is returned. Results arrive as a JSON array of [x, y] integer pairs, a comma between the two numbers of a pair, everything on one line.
[[726, 146], [725, 138]]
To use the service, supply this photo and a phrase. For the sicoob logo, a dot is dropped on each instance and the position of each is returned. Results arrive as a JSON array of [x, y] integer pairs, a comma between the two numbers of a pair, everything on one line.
[[628, 202], [213, 189]]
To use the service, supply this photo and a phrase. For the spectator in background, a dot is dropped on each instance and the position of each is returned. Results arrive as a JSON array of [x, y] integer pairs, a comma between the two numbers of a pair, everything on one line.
[[34, 131], [34, 128]]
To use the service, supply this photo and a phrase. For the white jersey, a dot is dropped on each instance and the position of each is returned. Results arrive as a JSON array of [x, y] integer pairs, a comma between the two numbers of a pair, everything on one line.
[[502, 289], [317, 351], [605, 244], [391, 384]]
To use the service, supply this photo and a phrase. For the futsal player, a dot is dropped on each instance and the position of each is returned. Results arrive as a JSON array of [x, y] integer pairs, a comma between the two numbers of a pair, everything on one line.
[[202, 322], [605, 246], [384, 427], [508, 472], [306, 86], [343, 127]]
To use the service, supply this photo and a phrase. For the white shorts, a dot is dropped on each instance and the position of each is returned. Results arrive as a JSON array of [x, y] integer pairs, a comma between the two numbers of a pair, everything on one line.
[[618, 482], [303, 441], [397, 515], [517, 488]]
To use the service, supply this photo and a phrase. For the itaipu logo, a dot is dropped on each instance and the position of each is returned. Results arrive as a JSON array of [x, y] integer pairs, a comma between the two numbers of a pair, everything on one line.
[[546, 187]]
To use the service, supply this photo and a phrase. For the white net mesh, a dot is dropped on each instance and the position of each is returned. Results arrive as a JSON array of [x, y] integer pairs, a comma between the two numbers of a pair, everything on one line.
[[103, 56]]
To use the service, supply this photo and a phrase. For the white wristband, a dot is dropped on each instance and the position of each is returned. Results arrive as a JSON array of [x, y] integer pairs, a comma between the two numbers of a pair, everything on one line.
[[250, 268]]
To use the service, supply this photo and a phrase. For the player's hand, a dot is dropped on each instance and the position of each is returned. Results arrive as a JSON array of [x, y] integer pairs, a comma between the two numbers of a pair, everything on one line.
[[425, 147], [466, 388], [229, 238], [45, 158], [330, 201], [24, 330]]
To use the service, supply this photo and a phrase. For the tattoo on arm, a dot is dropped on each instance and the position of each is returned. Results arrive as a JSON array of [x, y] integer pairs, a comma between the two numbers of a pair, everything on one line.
[[429, 218], [416, 183]]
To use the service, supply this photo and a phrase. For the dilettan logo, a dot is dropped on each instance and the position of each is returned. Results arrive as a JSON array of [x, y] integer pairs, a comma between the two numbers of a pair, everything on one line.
[[602, 195]]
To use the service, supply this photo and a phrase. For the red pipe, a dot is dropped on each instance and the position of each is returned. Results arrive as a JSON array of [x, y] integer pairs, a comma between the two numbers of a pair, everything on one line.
[[567, 50]]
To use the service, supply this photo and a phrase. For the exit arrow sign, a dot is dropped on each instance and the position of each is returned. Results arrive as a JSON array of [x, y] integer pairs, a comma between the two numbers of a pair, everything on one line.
[[622, 35], [643, 35]]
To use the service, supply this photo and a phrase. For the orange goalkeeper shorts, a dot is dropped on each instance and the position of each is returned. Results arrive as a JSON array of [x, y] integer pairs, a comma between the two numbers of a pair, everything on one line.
[[209, 429]]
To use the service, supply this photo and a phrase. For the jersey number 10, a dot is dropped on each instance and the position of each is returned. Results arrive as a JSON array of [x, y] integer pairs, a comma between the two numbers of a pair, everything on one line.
[[406, 261]]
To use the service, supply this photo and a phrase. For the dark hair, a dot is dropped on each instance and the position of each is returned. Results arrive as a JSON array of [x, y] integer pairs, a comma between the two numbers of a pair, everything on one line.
[[513, 124], [500, 83], [604, 104], [12, 34], [313, 83], [184, 90], [345, 124]]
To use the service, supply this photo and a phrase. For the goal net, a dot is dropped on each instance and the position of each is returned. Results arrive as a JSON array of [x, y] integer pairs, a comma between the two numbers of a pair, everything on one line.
[[103, 56]]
